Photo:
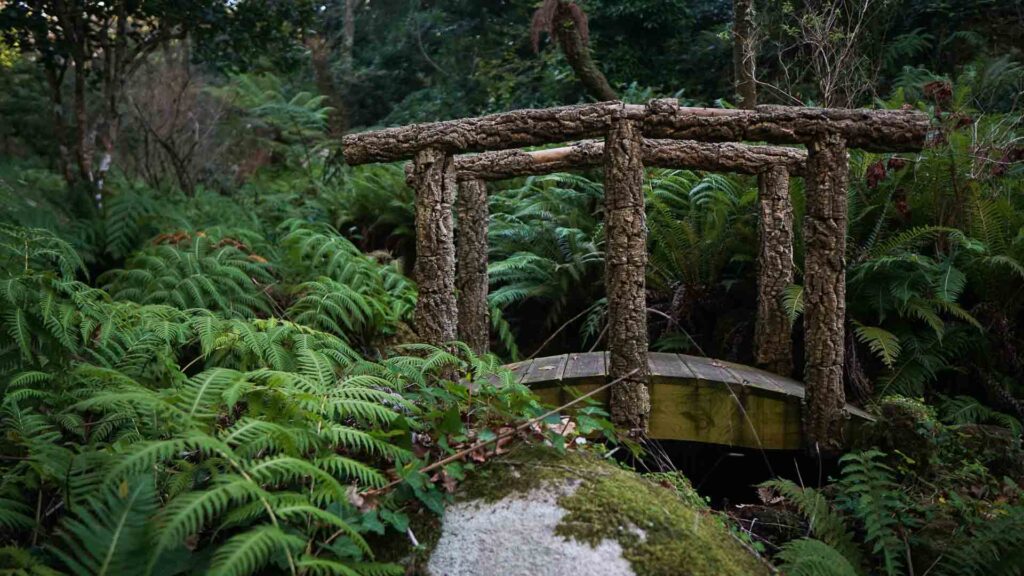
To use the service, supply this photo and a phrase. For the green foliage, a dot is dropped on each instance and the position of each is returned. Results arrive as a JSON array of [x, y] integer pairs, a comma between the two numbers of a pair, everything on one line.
[[825, 523], [109, 535], [870, 495], [175, 431], [810, 557], [213, 272], [881, 513]]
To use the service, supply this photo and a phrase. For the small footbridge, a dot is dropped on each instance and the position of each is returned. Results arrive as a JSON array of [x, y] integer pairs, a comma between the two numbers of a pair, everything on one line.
[[689, 398], [692, 398]]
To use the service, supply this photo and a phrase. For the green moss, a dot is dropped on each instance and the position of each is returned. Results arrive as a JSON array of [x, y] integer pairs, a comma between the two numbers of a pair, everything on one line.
[[524, 469], [664, 527], [659, 532]]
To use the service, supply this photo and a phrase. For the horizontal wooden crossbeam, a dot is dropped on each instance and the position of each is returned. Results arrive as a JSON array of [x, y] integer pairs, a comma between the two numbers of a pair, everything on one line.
[[878, 130], [657, 153]]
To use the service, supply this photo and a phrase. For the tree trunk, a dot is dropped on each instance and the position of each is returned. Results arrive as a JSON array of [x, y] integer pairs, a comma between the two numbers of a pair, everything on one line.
[[319, 51], [55, 80], [625, 284], [773, 341], [825, 291], [471, 280], [433, 179], [744, 57], [577, 53], [348, 38]]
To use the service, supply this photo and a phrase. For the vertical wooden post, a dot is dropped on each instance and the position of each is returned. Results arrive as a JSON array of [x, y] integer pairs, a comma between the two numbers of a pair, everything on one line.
[[773, 339], [625, 266], [825, 291], [433, 179], [471, 263]]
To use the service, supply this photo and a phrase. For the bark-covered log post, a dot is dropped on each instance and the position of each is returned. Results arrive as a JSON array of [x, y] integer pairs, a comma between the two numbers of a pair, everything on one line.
[[773, 339], [625, 266], [433, 178], [471, 263], [825, 291]]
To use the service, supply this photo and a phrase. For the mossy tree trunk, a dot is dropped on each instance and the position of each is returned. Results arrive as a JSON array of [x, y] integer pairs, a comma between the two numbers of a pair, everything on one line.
[[825, 291], [625, 264], [773, 340], [433, 179], [471, 279]]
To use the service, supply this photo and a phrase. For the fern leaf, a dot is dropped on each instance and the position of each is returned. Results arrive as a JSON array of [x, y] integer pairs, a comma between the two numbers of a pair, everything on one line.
[[250, 551], [810, 557], [107, 535]]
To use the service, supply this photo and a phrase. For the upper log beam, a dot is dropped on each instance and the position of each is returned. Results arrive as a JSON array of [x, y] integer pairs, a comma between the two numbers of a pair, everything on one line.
[[877, 130], [515, 129], [874, 130], [657, 153]]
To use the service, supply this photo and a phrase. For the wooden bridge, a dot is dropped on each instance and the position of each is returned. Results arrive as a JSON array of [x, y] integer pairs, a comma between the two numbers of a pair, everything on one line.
[[452, 276], [692, 398]]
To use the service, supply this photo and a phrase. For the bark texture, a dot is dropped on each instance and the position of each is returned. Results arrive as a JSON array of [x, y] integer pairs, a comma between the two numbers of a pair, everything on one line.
[[625, 284], [773, 339], [471, 278], [433, 178], [825, 292], [531, 127], [684, 154], [744, 56], [877, 130]]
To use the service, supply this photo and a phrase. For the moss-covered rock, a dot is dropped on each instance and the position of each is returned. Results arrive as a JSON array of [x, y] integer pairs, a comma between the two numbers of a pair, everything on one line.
[[536, 512]]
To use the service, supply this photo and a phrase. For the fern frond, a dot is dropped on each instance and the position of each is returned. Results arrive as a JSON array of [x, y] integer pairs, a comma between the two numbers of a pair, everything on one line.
[[107, 534], [810, 557], [250, 551]]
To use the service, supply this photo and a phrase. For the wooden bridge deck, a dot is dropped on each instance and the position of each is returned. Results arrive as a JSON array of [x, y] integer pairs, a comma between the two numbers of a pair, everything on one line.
[[692, 398]]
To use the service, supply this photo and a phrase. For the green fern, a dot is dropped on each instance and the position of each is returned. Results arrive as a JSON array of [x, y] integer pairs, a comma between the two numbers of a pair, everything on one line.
[[825, 523], [810, 557], [883, 343], [871, 495], [109, 533]]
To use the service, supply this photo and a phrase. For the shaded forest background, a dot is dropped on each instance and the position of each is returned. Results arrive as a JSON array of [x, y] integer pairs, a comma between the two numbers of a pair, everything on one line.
[[186, 259]]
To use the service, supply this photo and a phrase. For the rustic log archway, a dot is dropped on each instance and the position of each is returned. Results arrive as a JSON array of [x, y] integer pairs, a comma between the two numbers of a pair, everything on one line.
[[774, 345], [826, 132]]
